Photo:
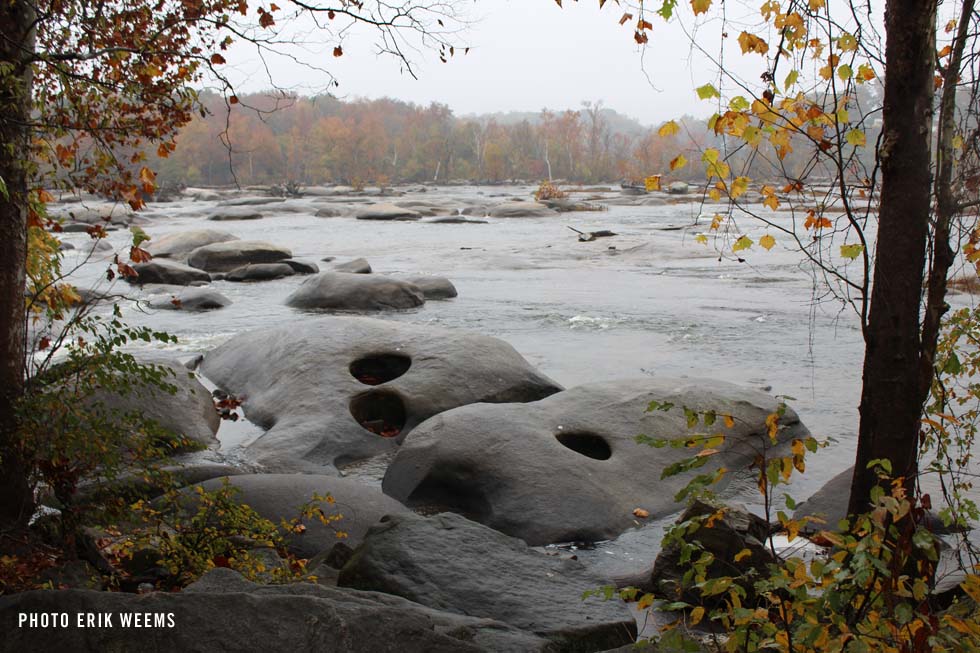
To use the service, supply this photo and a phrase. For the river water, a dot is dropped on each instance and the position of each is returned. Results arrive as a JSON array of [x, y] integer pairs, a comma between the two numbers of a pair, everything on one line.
[[648, 302]]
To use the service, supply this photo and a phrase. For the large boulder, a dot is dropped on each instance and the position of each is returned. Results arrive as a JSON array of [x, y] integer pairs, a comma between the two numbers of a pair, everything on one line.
[[433, 287], [355, 292], [179, 245], [329, 393], [230, 214], [169, 273], [568, 468], [226, 256], [386, 212], [190, 299], [521, 210], [225, 612], [449, 563], [281, 496], [188, 413]]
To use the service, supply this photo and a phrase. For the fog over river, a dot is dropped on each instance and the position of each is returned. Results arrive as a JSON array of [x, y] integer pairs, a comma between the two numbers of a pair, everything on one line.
[[648, 302]]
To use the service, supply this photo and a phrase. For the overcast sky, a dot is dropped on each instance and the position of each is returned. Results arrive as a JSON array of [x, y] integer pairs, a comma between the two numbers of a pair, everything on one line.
[[525, 55]]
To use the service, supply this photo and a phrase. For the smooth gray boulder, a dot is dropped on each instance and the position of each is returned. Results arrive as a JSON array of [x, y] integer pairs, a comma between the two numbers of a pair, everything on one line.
[[355, 292], [301, 267], [260, 272], [252, 201], [190, 299], [329, 212], [281, 496], [386, 212], [450, 563], [179, 245], [226, 256], [232, 214], [679, 188], [330, 393], [568, 467], [355, 266], [168, 272], [521, 210], [433, 287], [189, 413], [454, 219], [225, 612]]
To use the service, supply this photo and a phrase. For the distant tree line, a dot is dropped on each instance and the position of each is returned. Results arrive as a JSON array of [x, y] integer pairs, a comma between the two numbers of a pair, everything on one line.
[[269, 139]]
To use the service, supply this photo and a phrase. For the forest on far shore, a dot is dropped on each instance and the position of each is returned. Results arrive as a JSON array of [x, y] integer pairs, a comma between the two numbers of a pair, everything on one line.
[[273, 139]]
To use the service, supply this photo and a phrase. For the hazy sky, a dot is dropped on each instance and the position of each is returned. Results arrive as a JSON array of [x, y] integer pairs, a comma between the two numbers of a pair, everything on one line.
[[525, 55]]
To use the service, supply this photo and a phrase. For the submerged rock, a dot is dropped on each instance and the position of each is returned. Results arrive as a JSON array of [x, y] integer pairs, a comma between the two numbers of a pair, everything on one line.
[[568, 467], [347, 388], [450, 563]]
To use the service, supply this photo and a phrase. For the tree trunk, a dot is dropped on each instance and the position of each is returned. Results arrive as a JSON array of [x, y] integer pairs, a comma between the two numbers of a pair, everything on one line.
[[892, 395], [16, 46]]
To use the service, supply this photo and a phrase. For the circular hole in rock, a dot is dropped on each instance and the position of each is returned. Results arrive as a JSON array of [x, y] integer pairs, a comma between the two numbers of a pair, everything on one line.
[[587, 444], [379, 368], [381, 413]]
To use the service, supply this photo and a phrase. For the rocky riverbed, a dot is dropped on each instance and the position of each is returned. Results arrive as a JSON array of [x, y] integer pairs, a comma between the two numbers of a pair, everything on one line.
[[462, 349]]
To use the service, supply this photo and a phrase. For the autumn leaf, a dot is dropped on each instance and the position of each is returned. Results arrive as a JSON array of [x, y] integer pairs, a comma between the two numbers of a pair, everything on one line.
[[851, 252], [217, 59], [641, 513], [697, 614], [739, 187], [742, 243], [668, 129], [338, 51], [752, 43], [707, 92], [700, 6], [767, 242], [856, 138], [678, 162]]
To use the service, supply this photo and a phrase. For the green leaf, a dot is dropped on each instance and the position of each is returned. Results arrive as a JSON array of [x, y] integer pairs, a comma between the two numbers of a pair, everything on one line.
[[656, 405], [851, 251], [857, 138], [707, 92], [791, 79], [742, 243], [844, 72]]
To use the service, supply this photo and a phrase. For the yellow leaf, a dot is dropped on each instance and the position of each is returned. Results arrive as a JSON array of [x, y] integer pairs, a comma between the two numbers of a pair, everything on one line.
[[641, 513], [697, 614], [851, 251], [729, 421], [817, 4], [741, 555], [707, 92], [652, 183], [767, 242], [739, 187], [847, 43], [678, 162], [742, 243], [645, 601], [856, 138], [701, 238], [771, 201], [700, 6], [752, 43], [669, 128], [714, 194], [798, 448]]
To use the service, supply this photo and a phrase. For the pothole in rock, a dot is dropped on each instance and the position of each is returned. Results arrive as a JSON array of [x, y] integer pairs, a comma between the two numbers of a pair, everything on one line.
[[587, 444], [379, 368], [381, 413]]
